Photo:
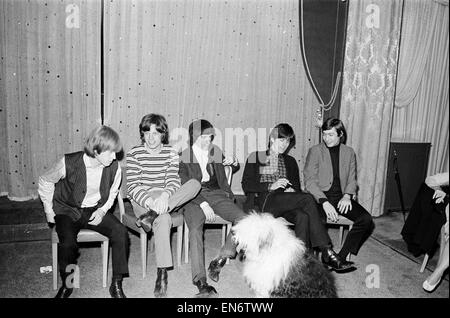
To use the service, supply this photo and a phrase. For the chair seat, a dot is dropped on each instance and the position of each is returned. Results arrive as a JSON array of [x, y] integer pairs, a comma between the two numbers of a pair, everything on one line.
[[218, 220], [341, 221], [84, 235]]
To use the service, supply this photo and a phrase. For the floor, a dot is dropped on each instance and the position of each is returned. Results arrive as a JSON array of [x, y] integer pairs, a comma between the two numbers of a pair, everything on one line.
[[383, 269]]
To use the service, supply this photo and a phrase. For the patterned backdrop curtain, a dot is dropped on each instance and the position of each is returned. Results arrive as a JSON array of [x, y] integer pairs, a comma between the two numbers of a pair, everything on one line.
[[422, 105], [235, 63], [49, 86], [368, 92]]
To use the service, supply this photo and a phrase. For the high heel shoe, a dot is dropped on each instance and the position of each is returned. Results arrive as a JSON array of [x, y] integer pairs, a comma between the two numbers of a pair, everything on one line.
[[428, 287]]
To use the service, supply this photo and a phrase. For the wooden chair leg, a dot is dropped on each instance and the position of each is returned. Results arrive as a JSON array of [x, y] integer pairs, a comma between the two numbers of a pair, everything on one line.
[[424, 263], [105, 248], [55, 265], [186, 243], [179, 243], [228, 229], [341, 235], [143, 237], [224, 233]]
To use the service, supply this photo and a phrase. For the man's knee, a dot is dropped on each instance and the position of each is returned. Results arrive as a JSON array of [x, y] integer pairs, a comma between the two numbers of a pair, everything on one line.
[[163, 221]]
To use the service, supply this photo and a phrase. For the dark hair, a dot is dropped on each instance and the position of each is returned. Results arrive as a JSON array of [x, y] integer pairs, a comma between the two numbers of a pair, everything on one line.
[[331, 123], [198, 128], [102, 138], [282, 130], [160, 124]]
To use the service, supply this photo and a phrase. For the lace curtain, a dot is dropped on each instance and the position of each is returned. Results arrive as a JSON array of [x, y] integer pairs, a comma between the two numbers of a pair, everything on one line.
[[368, 92]]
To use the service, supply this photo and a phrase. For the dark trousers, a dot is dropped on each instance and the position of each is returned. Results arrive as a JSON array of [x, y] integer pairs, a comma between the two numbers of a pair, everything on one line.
[[363, 227], [110, 226], [195, 219], [300, 209]]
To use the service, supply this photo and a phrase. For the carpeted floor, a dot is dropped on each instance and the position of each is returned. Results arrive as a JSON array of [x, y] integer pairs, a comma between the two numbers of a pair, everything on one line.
[[384, 270]]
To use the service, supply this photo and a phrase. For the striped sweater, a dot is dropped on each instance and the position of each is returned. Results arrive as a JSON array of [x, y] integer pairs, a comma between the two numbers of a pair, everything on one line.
[[147, 171]]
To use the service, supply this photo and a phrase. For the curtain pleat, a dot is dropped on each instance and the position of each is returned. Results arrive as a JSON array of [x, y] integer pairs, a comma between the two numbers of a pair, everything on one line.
[[234, 63], [426, 117], [368, 92], [49, 86]]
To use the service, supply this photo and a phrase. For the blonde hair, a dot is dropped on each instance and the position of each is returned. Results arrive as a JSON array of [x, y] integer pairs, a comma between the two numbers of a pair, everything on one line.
[[102, 138]]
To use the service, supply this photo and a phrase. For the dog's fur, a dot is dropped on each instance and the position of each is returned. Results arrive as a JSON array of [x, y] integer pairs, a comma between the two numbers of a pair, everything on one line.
[[276, 263]]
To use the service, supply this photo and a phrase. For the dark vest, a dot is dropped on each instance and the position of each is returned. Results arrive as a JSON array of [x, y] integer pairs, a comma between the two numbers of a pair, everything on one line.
[[70, 191]]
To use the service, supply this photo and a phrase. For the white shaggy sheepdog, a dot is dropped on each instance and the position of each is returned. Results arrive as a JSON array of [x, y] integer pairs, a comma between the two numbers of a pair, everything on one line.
[[276, 262]]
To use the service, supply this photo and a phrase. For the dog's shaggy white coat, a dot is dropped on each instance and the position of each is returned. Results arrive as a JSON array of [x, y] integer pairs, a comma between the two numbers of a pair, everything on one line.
[[276, 262]]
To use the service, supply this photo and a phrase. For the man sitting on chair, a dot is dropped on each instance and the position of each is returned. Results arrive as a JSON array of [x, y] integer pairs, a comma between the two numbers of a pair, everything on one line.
[[77, 193], [153, 185], [205, 162]]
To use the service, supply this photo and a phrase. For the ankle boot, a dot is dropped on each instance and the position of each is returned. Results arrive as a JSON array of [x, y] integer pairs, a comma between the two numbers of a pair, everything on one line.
[[146, 220], [116, 288], [331, 260], [161, 283], [215, 266]]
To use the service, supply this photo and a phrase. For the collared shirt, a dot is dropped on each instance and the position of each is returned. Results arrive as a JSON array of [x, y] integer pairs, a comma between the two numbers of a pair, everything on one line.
[[202, 158], [274, 169], [93, 178]]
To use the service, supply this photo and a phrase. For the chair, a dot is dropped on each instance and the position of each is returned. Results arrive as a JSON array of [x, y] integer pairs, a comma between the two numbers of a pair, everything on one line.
[[226, 225], [84, 235], [424, 263], [129, 220], [342, 222]]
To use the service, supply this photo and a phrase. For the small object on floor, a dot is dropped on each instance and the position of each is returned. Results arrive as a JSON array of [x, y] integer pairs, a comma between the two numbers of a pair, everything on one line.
[[214, 268], [161, 283], [45, 269], [64, 292], [277, 263]]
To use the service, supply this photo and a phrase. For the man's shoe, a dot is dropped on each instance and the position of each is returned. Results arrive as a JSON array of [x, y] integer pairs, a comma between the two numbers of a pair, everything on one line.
[[205, 290], [116, 289], [161, 283], [334, 262], [214, 268], [146, 220], [64, 292]]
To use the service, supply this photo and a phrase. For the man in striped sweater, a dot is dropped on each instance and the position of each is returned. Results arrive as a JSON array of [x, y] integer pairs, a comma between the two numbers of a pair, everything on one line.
[[155, 190]]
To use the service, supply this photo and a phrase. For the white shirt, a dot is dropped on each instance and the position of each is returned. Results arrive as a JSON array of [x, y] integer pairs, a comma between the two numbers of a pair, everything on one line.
[[93, 178], [202, 158]]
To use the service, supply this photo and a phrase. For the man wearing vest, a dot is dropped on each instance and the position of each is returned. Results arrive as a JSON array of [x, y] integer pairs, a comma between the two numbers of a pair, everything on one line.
[[205, 162], [77, 193]]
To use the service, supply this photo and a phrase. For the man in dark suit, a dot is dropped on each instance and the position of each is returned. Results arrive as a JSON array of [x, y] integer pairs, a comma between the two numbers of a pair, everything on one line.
[[205, 162]]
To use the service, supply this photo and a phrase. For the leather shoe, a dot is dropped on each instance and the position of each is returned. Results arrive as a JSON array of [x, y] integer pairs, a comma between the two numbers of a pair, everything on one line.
[[214, 268], [334, 262], [161, 283], [205, 290], [64, 292], [116, 289], [146, 220]]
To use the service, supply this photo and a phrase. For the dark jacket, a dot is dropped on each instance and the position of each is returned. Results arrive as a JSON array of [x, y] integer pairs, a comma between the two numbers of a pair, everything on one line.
[[190, 169], [70, 191], [251, 185]]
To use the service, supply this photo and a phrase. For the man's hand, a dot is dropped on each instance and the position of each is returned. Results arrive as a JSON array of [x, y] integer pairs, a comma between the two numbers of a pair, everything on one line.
[[97, 217], [162, 203], [209, 212], [229, 160], [50, 217], [345, 204], [439, 196], [330, 211], [280, 183]]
